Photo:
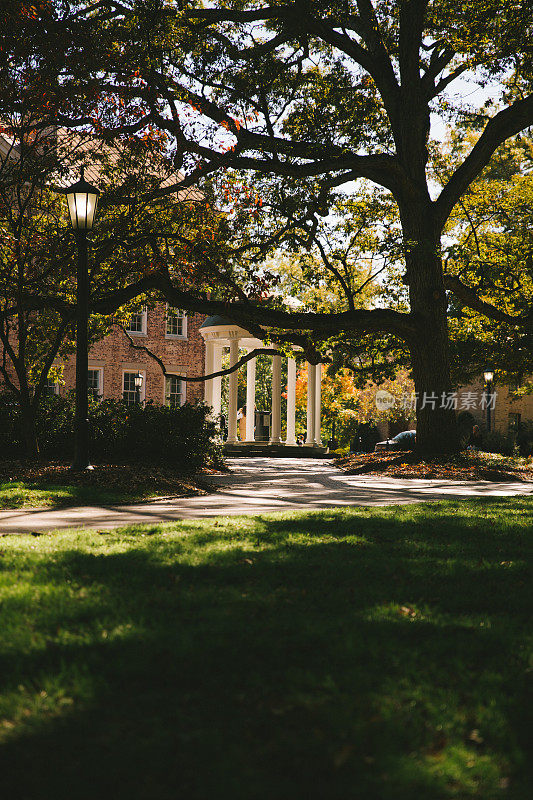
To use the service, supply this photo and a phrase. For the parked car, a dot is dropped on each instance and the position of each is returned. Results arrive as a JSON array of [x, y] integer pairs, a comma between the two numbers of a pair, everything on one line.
[[402, 441]]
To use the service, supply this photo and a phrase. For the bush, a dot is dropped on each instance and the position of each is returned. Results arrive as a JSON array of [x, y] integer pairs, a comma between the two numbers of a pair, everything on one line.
[[153, 433], [496, 442], [182, 436], [465, 423], [10, 425], [520, 443], [524, 439]]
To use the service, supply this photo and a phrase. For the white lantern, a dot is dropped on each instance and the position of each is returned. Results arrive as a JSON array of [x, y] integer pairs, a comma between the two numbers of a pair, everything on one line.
[[82, 198]]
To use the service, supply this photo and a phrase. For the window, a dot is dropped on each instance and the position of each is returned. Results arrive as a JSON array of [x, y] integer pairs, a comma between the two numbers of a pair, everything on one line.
[[176, 323], [130, 394], [514, 423], [95, 383], [137, 323], [50, 387], [174, 391]]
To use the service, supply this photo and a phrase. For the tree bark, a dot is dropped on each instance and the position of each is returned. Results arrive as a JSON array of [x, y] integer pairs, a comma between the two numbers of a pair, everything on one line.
[[436, 425], [31, 444], [437, 430]]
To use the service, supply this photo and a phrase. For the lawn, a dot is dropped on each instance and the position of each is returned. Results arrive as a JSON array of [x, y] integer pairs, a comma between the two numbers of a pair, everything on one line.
[[23, 494], [52, 484], [379, 654]]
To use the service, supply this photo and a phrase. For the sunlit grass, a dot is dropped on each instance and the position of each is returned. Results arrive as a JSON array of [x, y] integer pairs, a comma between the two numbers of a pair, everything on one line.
[[23, 494], [361, 653]]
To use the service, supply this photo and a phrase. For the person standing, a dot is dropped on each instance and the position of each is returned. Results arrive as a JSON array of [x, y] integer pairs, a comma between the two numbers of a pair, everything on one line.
[[241, 421], [476, 438]]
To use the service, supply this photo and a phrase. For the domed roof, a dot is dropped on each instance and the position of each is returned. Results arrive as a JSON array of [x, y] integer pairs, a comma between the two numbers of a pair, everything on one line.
[[212, 322]]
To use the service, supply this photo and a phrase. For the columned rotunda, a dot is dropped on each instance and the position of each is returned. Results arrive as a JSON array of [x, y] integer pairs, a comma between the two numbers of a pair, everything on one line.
[[220, 333]]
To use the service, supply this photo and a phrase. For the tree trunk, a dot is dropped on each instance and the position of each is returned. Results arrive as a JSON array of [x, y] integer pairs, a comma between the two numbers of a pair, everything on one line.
[[437, 430], [436, 426], [31, 444]]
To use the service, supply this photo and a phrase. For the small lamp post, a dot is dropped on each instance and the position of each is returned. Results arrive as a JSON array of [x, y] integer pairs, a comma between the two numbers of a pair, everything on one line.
[[489, 377], [138, 381], [82, 198]]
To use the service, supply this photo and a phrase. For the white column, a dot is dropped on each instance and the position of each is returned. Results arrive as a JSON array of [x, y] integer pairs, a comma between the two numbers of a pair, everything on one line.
[[216, 388], [275, 437], [250, 400], [291, 401], [311, 404], [232, 403], [318, 404], [209, 359]]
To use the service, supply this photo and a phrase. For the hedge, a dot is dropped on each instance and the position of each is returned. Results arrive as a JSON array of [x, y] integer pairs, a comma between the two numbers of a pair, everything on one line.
[[182, 436]]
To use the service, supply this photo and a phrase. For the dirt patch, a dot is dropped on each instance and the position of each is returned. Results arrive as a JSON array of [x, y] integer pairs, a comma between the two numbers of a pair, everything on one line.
[[467, 466]]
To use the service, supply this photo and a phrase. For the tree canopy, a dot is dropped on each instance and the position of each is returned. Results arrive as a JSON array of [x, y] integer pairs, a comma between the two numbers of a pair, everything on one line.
[[279, 109]]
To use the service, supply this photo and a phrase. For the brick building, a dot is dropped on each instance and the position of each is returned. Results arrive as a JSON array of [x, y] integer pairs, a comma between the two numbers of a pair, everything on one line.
[[113, 362], [509, 411], [173, 337]]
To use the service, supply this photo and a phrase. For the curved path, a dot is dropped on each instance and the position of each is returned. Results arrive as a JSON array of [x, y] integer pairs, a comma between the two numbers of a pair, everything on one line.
[[263, 485]]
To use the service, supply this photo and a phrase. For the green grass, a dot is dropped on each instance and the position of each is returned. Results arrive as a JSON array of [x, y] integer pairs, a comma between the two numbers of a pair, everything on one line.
[[27, 494], [378, 654]]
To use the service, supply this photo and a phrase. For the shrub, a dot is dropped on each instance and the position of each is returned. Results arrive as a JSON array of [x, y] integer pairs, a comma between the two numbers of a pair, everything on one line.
[[496, 442], [10, 425], [519, 444], [465, 423], [182, 436], [352, 433], [524, 439]]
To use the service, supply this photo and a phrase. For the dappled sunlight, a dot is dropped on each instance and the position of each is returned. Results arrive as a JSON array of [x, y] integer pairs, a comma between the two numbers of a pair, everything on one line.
[[338, 654], [262, 486]]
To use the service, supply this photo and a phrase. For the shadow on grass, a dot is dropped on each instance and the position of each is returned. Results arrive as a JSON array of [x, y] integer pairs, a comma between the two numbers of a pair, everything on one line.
[[337, 655], [55, 496]]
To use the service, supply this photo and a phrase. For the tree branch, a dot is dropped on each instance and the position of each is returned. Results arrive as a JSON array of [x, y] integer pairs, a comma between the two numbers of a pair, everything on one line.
[[412, 18], [258, 351], [470, 299], [506, 123], [210, 15], [329, 265], [256, 318]]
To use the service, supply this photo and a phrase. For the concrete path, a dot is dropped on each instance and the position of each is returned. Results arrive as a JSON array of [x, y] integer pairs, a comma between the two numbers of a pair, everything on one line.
[[262, 485]]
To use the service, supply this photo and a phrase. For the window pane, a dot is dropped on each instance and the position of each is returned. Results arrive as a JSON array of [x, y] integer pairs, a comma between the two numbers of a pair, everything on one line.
[[129, 393], [93, 383], [137, 321], [50, 387], [175, 322], [174, 391], [514, 423]]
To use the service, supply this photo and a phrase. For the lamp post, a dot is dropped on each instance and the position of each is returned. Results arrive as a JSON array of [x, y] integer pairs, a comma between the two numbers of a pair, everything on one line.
[[489, 377], [138, 380], [82, 199]]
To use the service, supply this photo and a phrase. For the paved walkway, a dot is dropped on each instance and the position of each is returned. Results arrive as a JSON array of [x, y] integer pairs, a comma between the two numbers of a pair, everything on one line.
[[263, 485]]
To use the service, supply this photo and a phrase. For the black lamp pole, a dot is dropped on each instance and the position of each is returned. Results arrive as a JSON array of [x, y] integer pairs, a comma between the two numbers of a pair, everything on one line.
[[489, 377], [82, 199], [81, 421]]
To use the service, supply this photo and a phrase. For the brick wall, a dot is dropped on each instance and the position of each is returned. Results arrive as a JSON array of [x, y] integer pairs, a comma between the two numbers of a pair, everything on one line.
[[114, 355], [506, 404]]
